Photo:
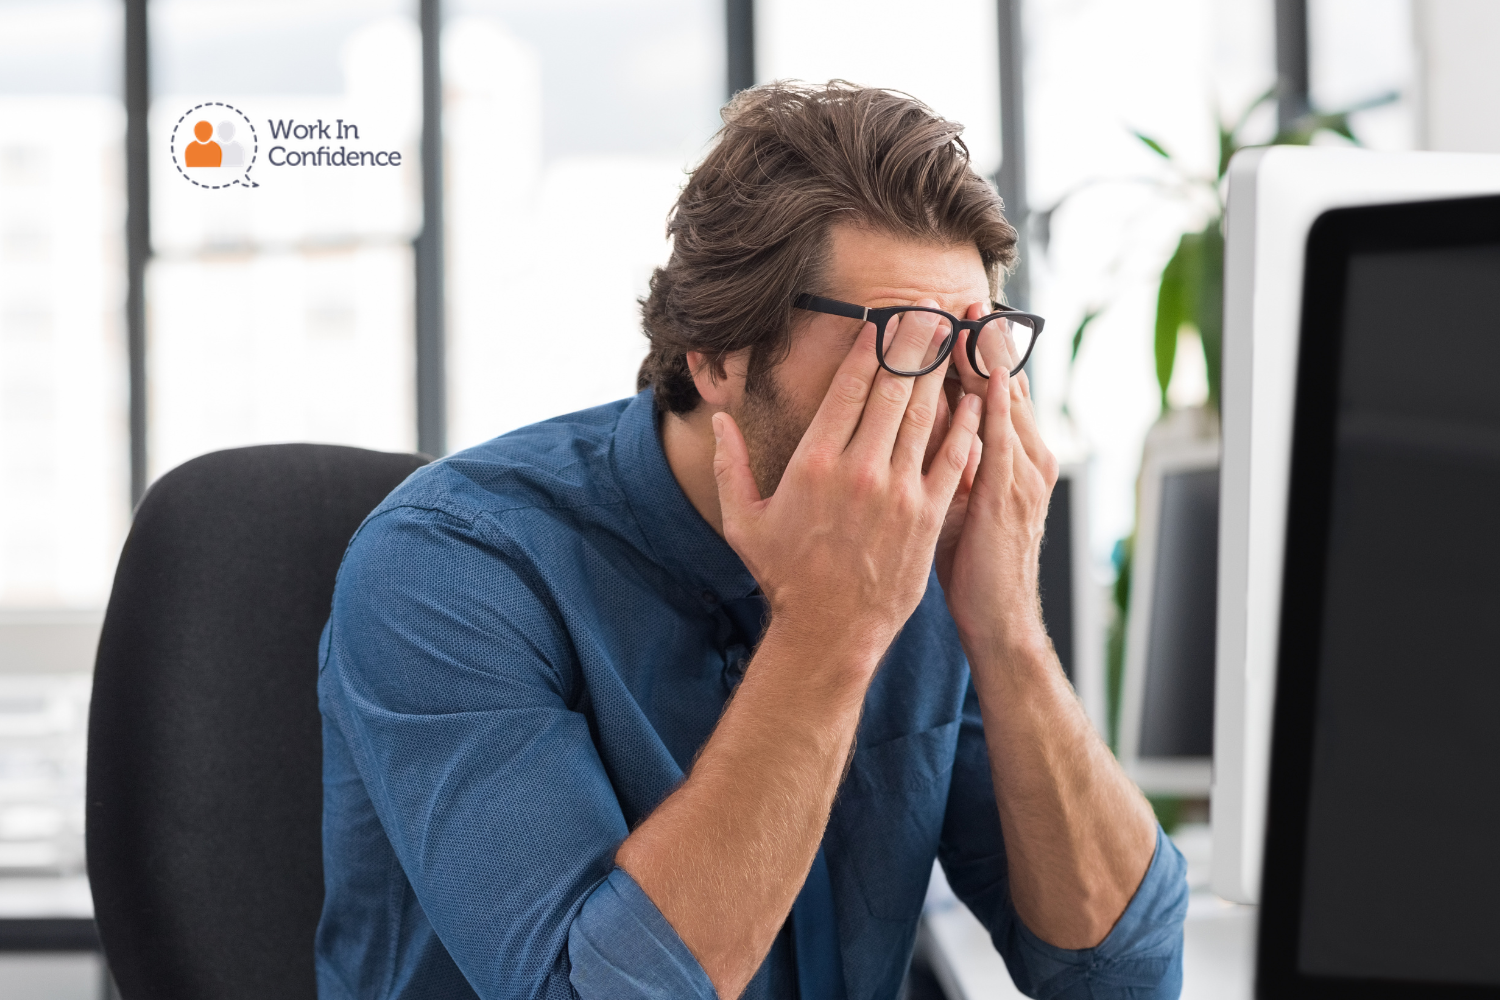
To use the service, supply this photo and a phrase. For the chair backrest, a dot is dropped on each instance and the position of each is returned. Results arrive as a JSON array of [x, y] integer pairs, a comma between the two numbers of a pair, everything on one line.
[[205, 755]]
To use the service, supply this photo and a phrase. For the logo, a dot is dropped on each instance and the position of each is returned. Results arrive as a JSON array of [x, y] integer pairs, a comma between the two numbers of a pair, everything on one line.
[[214, 145]]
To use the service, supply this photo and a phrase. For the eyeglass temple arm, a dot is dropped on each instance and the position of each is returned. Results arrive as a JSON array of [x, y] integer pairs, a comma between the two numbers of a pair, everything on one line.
[[817, 303], [833, 307]]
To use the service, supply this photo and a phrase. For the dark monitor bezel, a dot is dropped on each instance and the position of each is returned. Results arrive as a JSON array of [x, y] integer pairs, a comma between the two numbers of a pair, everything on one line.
[[1333, 238]]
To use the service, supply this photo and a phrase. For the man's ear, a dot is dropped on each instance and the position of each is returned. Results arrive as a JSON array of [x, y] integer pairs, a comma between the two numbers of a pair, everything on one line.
[[715, 390]]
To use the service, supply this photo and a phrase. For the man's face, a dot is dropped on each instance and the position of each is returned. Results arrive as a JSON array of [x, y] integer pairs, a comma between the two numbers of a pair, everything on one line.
[[869, 268]]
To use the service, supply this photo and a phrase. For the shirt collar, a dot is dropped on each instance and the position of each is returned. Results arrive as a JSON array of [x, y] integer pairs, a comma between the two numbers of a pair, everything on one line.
[[678, 537]]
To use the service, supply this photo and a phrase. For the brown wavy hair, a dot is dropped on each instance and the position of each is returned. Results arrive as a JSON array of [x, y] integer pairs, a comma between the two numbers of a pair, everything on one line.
[[750, 229]]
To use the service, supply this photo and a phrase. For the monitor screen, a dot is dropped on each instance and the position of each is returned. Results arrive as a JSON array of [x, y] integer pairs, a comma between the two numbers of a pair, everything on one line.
[[1167, 688], [1400, 875], [1069, 602], [1055, 576], [1177, 710]]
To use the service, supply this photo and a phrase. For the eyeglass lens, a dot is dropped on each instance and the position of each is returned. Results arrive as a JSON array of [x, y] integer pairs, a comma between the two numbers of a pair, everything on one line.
[[1003, 344], [912, 340]]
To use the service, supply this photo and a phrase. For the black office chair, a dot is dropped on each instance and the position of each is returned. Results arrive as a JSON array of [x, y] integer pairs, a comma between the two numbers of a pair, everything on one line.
[[205, 755]]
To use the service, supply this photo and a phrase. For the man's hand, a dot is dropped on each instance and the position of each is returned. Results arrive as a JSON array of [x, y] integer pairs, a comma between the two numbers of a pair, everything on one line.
[[1078, 835], [991, 540], [843, 548]]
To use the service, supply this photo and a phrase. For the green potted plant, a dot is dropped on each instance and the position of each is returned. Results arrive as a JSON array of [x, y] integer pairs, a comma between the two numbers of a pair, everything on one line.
[[1189, 313]]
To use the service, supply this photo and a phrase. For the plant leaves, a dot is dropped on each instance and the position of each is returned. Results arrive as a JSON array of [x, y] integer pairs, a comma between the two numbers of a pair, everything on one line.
[[1155, 146], [1041, 227], [1208, 311], [1192, 283], [1115, 643], [1229, 135], [1173, 308], [1228, 146], [1378, 100], [1269, 95], [1302, 131], [1088, 317]]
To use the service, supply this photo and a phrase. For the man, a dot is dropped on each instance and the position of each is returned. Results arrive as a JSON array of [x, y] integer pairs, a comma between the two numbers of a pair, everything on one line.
[[680, 696]]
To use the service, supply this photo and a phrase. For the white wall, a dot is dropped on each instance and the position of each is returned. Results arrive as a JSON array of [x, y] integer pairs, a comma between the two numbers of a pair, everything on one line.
[[1460, 74]]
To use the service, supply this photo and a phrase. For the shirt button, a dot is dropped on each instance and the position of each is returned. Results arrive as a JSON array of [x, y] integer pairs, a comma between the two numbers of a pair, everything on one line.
[[710, 598], [735, 660]]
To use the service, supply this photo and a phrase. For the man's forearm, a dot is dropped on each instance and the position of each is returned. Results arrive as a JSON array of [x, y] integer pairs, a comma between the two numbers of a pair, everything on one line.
[[725, 855], [1078, 834]]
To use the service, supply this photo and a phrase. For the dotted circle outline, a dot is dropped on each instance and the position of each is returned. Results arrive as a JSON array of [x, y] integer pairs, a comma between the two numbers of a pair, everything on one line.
[[254, 149]]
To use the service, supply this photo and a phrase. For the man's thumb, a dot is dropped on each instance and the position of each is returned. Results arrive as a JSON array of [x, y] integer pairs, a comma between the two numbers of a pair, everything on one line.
[[737, 489]]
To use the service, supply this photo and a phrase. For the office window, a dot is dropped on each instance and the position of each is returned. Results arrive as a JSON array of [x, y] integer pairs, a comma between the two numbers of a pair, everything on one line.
[[64, 476], [943, 52], [1360, 50], [567, 129], [63, 450], [280, 300]]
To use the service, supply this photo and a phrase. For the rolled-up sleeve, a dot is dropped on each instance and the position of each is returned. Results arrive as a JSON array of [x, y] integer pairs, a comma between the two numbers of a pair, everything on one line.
[[621, 946], [1140, 958], [459, 716]]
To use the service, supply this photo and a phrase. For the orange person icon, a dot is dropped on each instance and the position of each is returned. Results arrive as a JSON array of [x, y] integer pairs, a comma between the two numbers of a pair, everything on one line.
[[203, 153]]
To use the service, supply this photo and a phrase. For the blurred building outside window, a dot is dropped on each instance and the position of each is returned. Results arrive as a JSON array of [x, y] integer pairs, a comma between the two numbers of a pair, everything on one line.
[[568, 128], [63, 447], [64, 450], [283, 312]]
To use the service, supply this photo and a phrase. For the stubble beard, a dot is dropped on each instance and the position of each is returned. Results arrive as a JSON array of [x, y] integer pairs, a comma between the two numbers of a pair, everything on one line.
[[772, 430]]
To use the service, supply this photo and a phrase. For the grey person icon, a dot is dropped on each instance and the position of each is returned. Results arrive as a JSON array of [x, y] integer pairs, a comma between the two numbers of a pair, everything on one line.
[[234, 152]]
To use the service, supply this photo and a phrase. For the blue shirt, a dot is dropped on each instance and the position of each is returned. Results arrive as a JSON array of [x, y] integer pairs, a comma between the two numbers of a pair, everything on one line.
[[529, 642]]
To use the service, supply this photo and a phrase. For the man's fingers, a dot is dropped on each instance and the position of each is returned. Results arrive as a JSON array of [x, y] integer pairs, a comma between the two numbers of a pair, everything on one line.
[[947, 399], [923, 413], [844, 403], [971, 471], [911, 341], [997, 407], [1023, 418], [957, 452], [996, 432], [971, 380], [1001, 345], [737, 489]]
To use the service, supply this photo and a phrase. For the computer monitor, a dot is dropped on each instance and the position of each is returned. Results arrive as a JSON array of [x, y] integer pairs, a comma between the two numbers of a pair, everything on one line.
[[1167, 703], [1274, 196], [1070, 599], [1381, 871]]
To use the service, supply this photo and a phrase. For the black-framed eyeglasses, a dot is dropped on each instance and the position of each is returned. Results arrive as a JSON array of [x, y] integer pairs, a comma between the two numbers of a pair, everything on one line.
[[914, 340]]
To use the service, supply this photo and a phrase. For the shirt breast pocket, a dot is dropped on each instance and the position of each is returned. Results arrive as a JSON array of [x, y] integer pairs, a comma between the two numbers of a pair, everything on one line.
[[889, 816]]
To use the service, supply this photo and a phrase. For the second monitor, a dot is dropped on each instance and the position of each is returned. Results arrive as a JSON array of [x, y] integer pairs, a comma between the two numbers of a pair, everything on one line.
[[1167, 704], [1069, 596]]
